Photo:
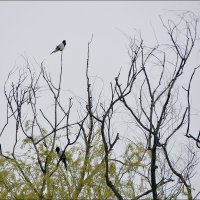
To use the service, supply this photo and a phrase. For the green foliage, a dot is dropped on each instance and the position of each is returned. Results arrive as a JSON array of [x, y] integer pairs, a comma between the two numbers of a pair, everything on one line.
[[24, 179]]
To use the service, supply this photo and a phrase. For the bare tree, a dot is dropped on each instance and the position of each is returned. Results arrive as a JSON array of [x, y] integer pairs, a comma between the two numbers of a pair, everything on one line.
[[157, 113], [144, 167]]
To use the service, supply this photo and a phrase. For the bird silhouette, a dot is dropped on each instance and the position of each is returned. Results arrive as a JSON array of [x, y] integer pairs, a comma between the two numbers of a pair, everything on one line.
[[60, 47], [61, 156]]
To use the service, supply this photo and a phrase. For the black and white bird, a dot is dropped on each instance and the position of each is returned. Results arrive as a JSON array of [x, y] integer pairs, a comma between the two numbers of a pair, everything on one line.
[[61, 156], [60, 47]]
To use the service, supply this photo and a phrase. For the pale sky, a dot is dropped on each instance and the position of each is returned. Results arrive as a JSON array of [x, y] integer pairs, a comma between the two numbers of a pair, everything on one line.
[[35, 28]]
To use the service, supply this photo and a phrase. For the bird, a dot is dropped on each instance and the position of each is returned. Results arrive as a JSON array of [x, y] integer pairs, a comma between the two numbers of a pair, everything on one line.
[[61, 156], [60, 47]]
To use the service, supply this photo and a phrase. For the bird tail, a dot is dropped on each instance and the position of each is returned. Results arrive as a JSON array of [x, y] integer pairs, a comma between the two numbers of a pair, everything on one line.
[[53, 52], [65, 163]]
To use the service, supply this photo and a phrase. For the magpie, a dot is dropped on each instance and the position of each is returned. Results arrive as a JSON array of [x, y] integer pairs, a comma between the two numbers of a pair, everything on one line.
[[60, 47], [61, 156]]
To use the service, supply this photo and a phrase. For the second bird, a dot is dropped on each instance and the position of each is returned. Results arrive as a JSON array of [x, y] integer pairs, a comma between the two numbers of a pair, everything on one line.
[[61, 156]]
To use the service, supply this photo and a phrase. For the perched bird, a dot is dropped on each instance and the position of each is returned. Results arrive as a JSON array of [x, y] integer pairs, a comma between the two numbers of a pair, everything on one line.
[[61, 156], [60, 47]]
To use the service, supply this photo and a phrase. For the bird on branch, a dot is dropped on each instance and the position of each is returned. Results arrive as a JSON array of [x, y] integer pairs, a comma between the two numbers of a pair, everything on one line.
[[61, 156], [60, 47]]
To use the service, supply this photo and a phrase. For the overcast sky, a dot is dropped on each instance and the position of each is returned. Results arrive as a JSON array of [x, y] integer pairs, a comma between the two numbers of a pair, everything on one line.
[[34, 29]]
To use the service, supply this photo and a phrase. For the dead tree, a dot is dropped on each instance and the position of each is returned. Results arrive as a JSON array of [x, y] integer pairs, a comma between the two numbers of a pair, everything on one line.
[[23, 96], [151, 101], [158, 110]]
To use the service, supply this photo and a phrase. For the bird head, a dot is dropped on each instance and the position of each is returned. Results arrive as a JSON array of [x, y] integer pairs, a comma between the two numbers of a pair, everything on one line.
[[64, 42], [57, 149]]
